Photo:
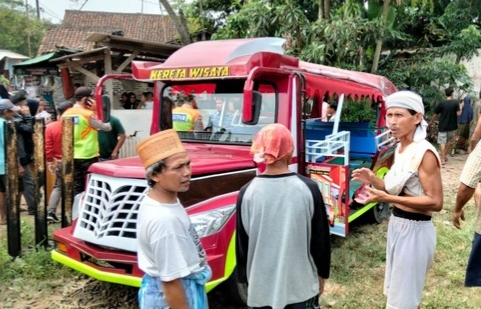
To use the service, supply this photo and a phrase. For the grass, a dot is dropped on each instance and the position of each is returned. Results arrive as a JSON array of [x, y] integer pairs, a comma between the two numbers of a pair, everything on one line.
[[32, 271], [356, 275]]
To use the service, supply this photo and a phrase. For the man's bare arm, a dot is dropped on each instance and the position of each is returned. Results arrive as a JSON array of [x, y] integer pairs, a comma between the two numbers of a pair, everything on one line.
[[99, 125], [476, 134], [175, 294], [120, 141], [433, 119]]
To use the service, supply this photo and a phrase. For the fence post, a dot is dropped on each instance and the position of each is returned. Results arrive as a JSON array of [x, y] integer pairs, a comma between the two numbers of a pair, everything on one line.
[[67, 169], [41, 231], [12, 196]]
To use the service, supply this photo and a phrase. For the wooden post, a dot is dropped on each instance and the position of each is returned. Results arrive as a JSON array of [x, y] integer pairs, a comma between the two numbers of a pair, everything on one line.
[[12, 196], [67, 169], [41, 231]]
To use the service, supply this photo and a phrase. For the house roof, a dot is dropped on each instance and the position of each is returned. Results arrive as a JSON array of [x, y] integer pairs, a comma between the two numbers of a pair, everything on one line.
[[78, 25], [10, 54]]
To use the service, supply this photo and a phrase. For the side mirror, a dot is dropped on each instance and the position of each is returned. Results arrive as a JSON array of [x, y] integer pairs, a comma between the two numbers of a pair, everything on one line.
[[106, 106], [255, 108]]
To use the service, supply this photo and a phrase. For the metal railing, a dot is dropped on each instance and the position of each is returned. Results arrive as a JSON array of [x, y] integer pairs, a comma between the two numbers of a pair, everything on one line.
[[334, 145]]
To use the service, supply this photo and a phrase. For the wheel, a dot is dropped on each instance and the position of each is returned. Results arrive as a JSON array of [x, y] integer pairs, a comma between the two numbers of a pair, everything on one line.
[[236, 292], [380, 212]]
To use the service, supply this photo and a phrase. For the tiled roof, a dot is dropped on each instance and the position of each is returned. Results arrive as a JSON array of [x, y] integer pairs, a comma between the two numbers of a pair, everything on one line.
[[78, 25]]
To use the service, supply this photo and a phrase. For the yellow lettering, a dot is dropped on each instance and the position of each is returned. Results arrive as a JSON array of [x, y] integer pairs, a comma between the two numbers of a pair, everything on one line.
[[153, 74], [213, 72], [190, 73], [224, 71], [195, 72]]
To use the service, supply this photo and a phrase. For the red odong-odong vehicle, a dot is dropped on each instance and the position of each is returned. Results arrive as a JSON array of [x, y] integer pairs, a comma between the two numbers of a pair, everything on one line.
[[259, 85]]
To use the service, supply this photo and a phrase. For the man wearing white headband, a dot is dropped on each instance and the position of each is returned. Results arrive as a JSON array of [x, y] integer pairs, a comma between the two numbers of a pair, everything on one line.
[[414, 186]]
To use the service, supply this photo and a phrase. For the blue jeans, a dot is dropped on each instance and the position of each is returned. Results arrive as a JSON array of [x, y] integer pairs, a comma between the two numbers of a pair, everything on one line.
[[473, 271]]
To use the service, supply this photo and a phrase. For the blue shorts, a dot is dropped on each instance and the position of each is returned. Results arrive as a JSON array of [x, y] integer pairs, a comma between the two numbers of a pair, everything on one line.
[[473, 271]]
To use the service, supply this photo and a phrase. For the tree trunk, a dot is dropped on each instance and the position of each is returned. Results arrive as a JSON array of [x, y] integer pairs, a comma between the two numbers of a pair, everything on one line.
[[320, 13], [327, 9], [458, 61], [180, 25], [377, 52]]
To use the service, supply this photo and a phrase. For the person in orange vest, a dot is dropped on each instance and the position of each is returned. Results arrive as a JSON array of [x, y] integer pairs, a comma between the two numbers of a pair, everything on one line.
[[53, 150], [187, 118], [86, 145]]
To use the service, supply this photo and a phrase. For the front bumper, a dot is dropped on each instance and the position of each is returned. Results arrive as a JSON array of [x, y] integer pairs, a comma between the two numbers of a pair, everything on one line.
[[113, 266]]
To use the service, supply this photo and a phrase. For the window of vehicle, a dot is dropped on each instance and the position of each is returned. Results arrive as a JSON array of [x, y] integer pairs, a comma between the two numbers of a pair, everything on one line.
[[212, 112]]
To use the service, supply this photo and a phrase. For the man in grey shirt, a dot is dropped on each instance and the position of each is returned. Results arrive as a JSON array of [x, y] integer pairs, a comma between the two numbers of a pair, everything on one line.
[[282, 246]]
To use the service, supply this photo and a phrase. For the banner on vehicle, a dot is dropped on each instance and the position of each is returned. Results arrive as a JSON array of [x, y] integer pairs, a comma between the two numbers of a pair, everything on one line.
[[189, 73]]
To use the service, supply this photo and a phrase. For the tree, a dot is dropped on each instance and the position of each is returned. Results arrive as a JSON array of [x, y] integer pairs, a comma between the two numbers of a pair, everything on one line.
[[20, 33], [179, 20], [458, 28], [354, 36]]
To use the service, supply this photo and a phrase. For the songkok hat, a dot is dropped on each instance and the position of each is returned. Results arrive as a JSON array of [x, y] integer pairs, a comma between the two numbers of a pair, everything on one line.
[[410, 100], [159, 146], [272, 143]]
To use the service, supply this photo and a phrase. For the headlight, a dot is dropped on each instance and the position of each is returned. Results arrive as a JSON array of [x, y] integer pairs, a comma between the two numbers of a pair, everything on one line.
[[210, 222]]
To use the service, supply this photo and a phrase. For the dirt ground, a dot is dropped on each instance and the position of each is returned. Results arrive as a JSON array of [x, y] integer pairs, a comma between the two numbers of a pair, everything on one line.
[[81, 292]]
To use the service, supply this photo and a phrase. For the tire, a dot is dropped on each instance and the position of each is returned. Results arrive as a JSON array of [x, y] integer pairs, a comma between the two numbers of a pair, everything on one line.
[[236, 293], [380, 212]]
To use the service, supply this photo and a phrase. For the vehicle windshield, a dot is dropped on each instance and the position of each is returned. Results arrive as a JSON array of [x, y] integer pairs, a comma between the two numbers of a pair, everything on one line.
[[212, 112]]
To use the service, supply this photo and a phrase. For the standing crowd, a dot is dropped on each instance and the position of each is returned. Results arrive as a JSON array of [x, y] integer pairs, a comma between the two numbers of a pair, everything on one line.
[[292, 274], [94, 140]]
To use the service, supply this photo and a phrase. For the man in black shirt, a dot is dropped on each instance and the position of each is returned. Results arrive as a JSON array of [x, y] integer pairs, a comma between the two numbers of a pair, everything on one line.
[[448, 112]]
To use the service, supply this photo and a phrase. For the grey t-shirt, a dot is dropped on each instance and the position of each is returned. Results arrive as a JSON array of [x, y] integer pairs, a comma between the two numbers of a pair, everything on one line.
[[282, 243], [168, 245]]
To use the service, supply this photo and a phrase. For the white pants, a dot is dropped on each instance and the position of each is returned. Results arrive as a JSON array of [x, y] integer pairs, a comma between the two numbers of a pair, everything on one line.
[[409, 255]]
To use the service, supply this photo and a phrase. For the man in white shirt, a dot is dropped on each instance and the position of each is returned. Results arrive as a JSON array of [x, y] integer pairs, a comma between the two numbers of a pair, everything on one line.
[[169, 250]]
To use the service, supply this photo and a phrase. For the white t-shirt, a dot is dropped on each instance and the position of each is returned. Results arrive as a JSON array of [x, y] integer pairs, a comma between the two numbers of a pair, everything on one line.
[[168, 245], [149, 105]]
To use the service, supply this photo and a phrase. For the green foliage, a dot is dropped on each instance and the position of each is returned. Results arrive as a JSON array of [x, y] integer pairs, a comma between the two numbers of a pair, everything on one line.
[[429, 76], [20, 33], [348, 38], [358, 111], [464, 44]]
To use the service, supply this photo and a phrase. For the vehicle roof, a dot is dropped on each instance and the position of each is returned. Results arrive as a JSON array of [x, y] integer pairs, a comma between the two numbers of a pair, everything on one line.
[[242, 55]]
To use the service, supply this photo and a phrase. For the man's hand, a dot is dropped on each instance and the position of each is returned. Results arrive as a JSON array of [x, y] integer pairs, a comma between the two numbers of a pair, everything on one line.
[[371, 195], [456, 216], [114, 155], [24, 110], [364, 175], [21, 171], [52, 168], [321, 285]]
